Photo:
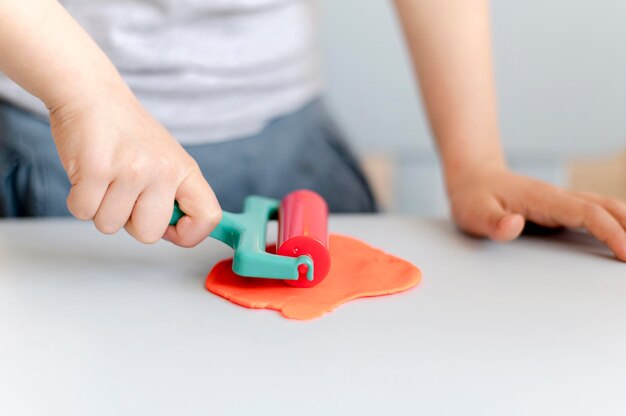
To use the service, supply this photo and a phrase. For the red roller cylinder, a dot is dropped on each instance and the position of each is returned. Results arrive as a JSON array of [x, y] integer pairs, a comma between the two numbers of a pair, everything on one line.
[[303, 230]]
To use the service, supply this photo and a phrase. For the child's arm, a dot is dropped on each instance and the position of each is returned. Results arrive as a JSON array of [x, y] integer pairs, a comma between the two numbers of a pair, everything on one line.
[[450, 44], [124, 167]]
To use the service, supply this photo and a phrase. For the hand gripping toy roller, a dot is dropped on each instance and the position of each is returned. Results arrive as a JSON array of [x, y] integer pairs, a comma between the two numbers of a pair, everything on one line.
[[302, 258]]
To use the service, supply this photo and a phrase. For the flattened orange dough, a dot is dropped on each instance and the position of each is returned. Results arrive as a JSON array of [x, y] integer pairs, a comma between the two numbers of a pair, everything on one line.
[[357, 270]]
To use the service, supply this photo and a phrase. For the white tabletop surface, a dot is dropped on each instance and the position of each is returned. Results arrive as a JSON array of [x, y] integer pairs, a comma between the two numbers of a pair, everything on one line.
[[101, 325]]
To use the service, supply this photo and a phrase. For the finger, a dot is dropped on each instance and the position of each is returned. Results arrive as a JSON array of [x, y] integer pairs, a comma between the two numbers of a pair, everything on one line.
[[151, 214], [116, 207], [85, 198], [605, 228], [508, 228], [197, 200], [574, 212], [614, 206], [488, 218]]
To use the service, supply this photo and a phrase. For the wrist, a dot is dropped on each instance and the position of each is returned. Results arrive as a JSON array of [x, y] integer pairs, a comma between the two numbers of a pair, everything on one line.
[[79, 101], [84, 94], [467, 169]]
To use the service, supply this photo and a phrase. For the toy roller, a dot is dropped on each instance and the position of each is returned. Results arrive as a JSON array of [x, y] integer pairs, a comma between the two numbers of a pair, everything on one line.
[[302, 258]]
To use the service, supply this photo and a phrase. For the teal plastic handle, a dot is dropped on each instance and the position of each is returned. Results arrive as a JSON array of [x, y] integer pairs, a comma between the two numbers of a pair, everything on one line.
[[177, 214], [246, 234]]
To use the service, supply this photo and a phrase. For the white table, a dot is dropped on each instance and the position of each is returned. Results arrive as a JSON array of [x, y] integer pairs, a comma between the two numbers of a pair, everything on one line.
[[99, 325]]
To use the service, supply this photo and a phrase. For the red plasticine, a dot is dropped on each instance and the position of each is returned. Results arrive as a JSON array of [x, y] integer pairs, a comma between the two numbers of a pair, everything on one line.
[[357, 270]]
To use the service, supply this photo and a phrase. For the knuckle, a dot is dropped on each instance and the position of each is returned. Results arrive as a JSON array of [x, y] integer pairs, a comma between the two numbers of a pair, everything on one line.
[[615, 205], [80, 211], [191, 163], [592, 211], [165, 166], [189, 242], [192, 169], [80, 214], [147, 236], [214, 217], [184, 240], [134, 171], [106, 226], [97, 170]]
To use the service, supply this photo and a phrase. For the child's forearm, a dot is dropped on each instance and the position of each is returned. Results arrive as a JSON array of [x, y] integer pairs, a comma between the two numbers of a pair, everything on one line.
[[125, 169], [44, 50], [450, 44]]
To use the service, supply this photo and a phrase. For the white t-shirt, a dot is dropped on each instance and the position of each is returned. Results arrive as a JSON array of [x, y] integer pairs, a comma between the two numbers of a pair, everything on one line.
[[209, 70]]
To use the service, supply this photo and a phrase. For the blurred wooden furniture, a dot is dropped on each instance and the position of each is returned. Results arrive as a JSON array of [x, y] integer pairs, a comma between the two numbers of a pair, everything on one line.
[[605, 176]]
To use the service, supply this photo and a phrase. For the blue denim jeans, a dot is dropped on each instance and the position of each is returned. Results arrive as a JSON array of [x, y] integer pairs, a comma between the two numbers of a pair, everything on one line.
[[300, 150]]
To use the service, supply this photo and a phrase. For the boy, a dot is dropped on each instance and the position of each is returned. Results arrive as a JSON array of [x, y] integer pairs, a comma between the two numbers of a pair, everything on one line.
[[236, 82]]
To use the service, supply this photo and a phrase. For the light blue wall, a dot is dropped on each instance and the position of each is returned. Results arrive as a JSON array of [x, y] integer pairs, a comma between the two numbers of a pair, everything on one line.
[[561, 78]]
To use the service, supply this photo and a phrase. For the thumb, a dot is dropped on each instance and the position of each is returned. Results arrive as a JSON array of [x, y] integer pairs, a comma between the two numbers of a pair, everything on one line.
[[508, 228], [488, 218], [501, 225], [202, 212]]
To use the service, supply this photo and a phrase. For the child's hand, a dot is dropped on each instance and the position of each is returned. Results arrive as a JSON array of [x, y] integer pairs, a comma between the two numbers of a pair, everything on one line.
[[125, 168], [450, 45], [126, 171], [496, 202]]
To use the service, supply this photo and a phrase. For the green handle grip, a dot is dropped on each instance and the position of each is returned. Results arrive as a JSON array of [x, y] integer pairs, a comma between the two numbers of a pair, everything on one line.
[[177, 214], [245, 233]]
